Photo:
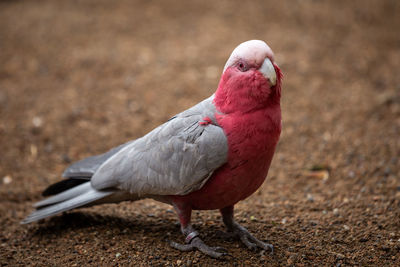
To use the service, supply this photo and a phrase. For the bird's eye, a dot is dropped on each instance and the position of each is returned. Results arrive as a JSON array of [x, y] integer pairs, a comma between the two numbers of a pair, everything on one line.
[[242, 67]]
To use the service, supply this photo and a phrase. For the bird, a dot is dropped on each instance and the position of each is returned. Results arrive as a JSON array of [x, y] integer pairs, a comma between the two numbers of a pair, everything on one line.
[[208, 157]]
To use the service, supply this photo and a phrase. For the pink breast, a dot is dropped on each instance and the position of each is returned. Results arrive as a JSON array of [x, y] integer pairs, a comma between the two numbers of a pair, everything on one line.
[[252, 142]]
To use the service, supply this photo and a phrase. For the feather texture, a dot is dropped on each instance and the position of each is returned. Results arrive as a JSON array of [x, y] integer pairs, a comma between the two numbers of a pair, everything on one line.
[[70, 199], [175, 158]]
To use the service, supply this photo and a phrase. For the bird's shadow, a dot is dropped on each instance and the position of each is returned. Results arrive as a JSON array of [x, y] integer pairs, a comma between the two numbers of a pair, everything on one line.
[[77, 220], [163, 228], [160, 228]]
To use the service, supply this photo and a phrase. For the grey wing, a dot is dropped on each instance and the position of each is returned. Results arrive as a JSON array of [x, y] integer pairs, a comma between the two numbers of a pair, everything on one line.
[[87, 167], [174, 159]]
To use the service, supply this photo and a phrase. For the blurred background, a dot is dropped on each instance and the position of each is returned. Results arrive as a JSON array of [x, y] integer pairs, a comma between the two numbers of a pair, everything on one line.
[[79, 77]]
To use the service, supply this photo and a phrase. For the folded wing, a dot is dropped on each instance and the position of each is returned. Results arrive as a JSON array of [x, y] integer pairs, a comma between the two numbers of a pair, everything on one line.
[[174, 159]]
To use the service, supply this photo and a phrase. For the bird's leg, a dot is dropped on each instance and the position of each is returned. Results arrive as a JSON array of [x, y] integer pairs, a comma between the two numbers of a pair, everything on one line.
[[242, 233], [192, 239]]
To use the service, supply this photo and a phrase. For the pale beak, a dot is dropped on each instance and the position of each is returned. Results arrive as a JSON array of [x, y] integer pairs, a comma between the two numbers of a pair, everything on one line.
[[267, 69]]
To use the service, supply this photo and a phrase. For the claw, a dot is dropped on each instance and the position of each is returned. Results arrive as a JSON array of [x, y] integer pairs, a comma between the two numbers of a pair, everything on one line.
[[246, 241], [197, 243], [250, 241], [270, 247]]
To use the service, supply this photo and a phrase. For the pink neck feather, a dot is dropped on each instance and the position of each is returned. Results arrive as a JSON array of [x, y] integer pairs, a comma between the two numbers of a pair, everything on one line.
[[246, 92]]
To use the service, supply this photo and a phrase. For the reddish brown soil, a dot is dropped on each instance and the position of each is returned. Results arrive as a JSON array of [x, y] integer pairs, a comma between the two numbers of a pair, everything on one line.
[[79, 77]]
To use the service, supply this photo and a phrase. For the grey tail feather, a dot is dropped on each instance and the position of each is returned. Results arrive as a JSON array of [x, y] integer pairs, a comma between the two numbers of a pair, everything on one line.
[[78, 196], [64, 196], [64, 185]]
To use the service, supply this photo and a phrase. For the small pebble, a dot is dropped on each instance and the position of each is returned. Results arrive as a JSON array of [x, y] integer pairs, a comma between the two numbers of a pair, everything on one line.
[[66, 158], [346, 227], [284, 220], [118, 255], [336, 211], [310, 198], [7, 179], [37, 122]]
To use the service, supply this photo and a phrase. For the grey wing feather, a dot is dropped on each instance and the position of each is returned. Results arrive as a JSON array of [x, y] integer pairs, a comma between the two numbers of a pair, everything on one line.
[[174, 159], [88, 166]]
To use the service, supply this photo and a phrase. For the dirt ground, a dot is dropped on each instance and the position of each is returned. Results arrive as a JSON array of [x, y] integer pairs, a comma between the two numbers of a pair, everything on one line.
[[79, 77]]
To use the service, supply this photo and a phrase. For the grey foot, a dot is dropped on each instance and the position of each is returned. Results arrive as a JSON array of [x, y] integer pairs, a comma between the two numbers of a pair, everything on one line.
[[250, 241], [197, 243]]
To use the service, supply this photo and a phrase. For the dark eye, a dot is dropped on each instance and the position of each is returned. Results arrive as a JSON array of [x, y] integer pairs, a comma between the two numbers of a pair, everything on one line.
[[242, 66]]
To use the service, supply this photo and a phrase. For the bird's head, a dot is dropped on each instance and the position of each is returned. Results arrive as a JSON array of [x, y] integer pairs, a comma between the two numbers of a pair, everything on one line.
[[251, 80]]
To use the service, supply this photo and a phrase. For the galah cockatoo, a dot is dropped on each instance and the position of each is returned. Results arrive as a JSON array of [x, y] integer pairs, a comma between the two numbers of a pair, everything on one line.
[[210, 156]]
